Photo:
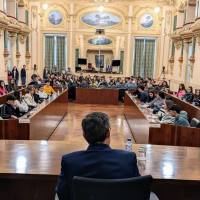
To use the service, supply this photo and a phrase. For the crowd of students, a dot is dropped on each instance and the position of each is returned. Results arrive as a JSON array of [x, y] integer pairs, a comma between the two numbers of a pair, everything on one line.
[[35, 92], [16, 105]]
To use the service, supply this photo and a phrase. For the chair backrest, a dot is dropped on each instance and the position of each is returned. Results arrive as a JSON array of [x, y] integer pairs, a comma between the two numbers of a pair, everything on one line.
[[195, 123], [92, 86], [132, 88], [112, 87], [137, 188], [84, 85], [187, 115], [103, 86], [158, 87], [42, 84], [121, 86], [151, 88]]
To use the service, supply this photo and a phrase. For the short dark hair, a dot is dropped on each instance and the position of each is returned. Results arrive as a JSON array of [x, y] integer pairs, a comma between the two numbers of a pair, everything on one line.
[[168, 97], [40, 86], [176, 108], [141, 87], [161, 94], [95, 127], [11, 97], [47, 81]]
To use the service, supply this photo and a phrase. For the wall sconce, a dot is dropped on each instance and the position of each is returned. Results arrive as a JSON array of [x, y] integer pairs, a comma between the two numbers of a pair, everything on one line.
[[45, 6]]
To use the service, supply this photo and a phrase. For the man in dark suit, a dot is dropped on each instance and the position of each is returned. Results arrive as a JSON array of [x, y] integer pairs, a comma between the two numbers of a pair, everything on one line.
[[45, 72], [99, 160], [23, 75]]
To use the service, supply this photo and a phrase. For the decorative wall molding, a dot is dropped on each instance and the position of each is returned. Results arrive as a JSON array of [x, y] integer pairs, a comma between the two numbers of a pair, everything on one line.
[[178, 44], [18, 58], [180, 64], [195, 28], [6, 59], [192, 60], [168, 16], [22, 39], [186, 31], [171, 61]]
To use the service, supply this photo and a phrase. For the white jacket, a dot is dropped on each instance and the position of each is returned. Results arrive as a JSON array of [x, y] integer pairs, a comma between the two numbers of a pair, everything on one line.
[[22, 106], [42, 95], [29, 99]]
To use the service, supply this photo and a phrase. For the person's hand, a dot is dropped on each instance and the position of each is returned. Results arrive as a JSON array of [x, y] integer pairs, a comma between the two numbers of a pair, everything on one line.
[[155, 104], [14, 117], [15, 105], [136, 95], [147, 103]]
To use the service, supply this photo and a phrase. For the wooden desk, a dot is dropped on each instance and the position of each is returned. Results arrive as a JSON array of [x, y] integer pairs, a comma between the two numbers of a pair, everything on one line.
[[29, 169], [146, 132], [97, 96], [41, 124], [138, 121], [3, 98]]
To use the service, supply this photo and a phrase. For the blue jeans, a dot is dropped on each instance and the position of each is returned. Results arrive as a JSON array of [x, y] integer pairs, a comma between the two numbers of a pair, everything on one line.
[[23, 80], [16, 82]]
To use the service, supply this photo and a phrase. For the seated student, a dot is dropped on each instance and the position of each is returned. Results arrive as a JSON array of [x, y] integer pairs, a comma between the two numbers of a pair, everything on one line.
[[95, 162], [36, 96], [180, 118], [78, 83], [63, 83], [197, 98], [130, 83], [11, 85], [165, 85], [158, 102], [144, 83], [10, 109], [42, 94], [53, 82], [103, 82], [168, 97], [48, 89], [151, 96], [35, 81], [181, 90], [144, 95], [93, 83], [29, 98], [188, 97], [3, 89], [111, 83], [166, 117], [23, 107], [84, 83]]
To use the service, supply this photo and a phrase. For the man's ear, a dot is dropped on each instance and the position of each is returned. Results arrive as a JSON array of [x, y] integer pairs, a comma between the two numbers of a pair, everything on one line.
[[108, 133]]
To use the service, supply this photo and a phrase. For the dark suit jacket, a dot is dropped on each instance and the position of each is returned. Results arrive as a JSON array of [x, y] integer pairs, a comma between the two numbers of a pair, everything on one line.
[[17, 74], [98, 161], [23, 72], [144, 97], [45, 74]]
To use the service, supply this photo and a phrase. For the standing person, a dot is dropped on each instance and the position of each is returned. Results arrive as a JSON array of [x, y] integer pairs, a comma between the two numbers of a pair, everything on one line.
[[45, 72], [181, 90], [15, 75], [55, 70], [69, 72], [3, 89], [63, 71], [23, 75]]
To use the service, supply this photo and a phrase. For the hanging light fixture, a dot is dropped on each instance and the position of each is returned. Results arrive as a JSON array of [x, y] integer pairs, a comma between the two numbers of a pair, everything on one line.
[[45, 6], [101, 8], [156, 10]]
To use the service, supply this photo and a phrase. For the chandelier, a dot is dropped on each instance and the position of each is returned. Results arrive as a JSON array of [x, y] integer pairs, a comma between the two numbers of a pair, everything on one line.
[[101, 1]]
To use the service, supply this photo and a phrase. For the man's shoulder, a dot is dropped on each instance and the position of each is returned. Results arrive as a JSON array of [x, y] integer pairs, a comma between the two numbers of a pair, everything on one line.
[[115, 152]]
